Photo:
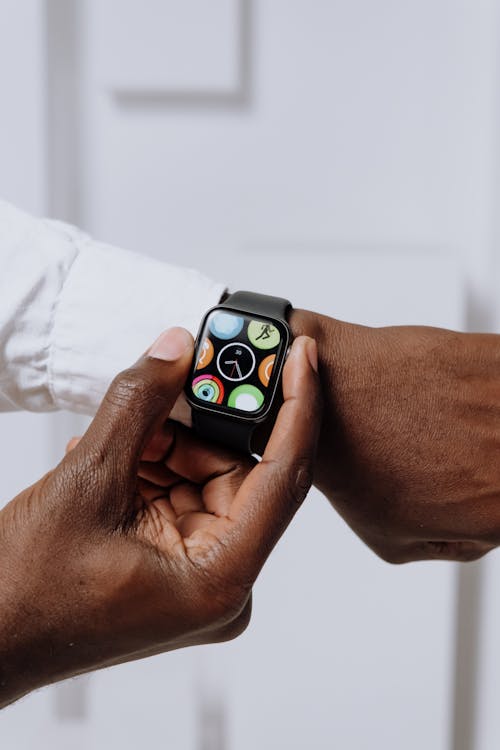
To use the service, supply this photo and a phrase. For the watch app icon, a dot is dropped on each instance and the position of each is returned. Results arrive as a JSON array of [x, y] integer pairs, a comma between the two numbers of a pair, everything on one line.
[[246, 398], [263, 335], [236, 361]]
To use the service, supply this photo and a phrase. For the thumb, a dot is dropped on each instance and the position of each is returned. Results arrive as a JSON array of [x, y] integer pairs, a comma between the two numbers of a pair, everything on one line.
[[139, 400], [275, 488]]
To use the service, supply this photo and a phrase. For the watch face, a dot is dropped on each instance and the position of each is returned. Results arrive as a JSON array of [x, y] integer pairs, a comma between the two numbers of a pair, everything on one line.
[[237, 363]]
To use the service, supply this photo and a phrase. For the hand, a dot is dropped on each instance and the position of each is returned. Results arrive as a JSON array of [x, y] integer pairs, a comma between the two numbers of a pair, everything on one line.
[[144, 539], [409, 452]]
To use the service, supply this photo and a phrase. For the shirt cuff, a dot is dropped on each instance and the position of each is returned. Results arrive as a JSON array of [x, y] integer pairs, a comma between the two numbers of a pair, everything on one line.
[[113, 305]]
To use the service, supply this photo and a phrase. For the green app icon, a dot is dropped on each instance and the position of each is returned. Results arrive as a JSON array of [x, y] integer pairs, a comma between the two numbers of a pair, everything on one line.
[[246, 398], [263, 335]]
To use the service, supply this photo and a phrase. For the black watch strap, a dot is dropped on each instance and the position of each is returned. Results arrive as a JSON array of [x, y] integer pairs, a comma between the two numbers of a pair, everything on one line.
[[232, 432], [224, 430], [260, 304]]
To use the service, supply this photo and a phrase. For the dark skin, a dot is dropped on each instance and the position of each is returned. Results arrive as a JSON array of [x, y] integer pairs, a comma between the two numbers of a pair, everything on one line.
[[144, 539], [409, 452], [160, 553]]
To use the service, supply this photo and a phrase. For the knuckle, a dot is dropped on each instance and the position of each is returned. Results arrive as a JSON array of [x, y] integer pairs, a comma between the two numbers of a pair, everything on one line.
[[457, 551], [224, 601], [133, 386], [471, 555], [222, 592], [393, 556], [303, 478], [237, 626], [82, 473], [73, 485], [88, 480], [291, 481]]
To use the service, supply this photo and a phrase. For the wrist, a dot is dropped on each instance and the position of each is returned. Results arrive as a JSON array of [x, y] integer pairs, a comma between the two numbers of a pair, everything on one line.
[[339, 345], [328, 333], [339, 348], [306, 323]]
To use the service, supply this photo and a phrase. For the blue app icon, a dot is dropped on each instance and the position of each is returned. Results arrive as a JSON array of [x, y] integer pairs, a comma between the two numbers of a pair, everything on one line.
[[225, 325]]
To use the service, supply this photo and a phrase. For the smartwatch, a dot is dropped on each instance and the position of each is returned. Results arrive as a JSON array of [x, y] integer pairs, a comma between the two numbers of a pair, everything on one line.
[[234, 386]]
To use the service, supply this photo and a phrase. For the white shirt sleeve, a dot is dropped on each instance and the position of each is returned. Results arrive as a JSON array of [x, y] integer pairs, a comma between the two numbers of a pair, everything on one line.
[[74, 312]]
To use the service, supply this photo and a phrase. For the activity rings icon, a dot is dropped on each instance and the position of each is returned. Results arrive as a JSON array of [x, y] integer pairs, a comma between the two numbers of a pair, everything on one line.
[[208, 388]]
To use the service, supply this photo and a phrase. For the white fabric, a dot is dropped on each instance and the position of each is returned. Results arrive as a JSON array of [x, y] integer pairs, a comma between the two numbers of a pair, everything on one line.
[[74, 312]]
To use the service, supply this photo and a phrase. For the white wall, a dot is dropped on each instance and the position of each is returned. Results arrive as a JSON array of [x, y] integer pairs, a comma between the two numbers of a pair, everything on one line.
[[340, 153]]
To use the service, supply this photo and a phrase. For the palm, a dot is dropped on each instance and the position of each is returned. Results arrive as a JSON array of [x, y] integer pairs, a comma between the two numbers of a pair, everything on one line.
[[186, 489]]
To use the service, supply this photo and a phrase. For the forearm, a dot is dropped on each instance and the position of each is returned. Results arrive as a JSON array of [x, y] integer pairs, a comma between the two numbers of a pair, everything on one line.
[[75, 311]]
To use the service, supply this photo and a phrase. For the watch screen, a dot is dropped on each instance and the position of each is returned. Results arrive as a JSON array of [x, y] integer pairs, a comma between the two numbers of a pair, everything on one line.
[[235, 361]]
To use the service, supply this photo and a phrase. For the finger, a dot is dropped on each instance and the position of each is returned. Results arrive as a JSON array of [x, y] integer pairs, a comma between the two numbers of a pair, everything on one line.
[[160, 443], [138, 401], [186, 498], [158, 474], [71, 445], [458, 551], [191, 522], [275, 488], [197, 461], [150, 492], [447, 551], [181, 411], [220, 471]]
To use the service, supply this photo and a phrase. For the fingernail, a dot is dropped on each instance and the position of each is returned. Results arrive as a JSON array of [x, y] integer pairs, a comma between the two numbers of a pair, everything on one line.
[[171, 345], [312, 354]]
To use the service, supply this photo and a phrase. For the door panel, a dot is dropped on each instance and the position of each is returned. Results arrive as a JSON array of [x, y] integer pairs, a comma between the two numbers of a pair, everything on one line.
[[165, 47]]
